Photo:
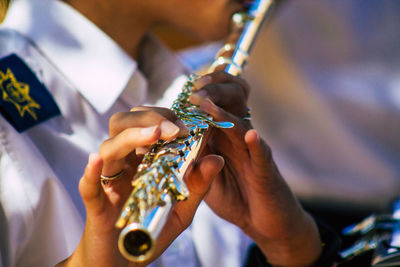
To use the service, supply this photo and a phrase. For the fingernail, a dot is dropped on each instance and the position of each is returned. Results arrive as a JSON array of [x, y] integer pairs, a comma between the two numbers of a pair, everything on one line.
[[222, 159], [169, 129], [197, 97], [148, 130], [184, 130], [202, 81]]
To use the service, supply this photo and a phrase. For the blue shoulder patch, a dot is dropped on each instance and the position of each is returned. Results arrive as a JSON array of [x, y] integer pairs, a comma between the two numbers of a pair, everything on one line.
[[24, 101]]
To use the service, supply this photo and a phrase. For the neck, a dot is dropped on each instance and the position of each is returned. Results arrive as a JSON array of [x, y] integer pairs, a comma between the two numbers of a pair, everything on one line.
[[122, 25]]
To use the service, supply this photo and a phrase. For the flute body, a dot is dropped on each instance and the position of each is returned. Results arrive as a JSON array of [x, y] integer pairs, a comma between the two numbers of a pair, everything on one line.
[[159, 181]]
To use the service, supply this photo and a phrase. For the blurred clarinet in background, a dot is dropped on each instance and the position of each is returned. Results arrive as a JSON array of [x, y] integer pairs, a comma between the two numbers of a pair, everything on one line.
[[378, 238]]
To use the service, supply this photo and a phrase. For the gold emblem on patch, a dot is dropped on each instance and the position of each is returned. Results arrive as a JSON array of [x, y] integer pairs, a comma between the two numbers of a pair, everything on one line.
[[17, 93]]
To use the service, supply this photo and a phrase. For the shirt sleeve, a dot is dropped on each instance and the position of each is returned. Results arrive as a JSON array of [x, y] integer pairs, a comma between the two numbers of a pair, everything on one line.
[[330, 242]]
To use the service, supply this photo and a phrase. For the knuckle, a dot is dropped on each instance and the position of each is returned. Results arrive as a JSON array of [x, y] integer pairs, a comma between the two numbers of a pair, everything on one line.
[[115, 118], [105, 153], [146, 113], [244, 86], [170, 113], [153, 115], [213, 91]]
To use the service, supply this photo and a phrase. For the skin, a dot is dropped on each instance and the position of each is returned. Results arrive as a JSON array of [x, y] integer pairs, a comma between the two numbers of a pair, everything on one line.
[[3, 9], [250, 192], [236, 175], [192, 17]]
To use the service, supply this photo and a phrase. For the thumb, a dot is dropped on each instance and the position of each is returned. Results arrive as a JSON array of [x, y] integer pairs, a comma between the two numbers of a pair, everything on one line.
[[198, 183], [203, 173]]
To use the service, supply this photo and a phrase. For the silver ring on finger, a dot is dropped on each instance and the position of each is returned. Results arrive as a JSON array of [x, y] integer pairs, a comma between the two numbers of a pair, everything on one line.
[[107, 179]]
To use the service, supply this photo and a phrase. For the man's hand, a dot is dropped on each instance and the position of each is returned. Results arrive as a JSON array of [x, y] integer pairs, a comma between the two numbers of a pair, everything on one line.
[[250, 192]]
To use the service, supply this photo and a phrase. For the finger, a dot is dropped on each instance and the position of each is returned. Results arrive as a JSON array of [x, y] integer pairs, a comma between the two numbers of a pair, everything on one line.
[[229, 96], [203, 173], [168, 114], [89, 185], [198, 184], [235, 134], [221, 77], [183, 212], [114, 150], [259, 152], [119, 188], [147, 117], [165, 112]]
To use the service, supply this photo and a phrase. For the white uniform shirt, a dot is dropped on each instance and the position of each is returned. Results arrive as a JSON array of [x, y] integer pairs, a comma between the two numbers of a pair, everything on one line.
[[90, 78]]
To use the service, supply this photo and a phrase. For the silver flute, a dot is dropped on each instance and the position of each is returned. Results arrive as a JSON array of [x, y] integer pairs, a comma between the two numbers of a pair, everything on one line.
[[159, 181]]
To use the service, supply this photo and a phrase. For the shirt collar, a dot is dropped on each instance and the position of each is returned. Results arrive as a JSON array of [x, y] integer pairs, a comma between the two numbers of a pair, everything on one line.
[[164, 70], [90, 60]]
